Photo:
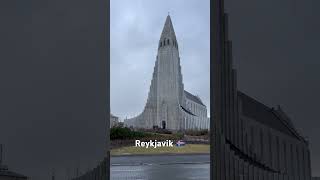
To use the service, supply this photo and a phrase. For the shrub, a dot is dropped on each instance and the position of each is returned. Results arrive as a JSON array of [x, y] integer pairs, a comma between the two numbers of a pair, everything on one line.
[[197, 132], [125, 133]]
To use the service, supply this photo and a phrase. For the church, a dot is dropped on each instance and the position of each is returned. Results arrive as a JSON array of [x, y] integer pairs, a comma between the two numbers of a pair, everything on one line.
[[251, 140], [169, 105]]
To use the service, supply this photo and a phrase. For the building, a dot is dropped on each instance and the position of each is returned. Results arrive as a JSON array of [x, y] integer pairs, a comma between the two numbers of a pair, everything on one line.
[[9, 175], [251, 140], [5, 174], [114, 120], [316, 178], [169, 106]]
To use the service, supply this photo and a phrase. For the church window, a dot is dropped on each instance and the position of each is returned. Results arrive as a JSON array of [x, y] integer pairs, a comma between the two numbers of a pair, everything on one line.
[[168, 41], [291, 153], [285, 154], [252, 140], [261, 143], [303, 161], [246, 142], [298, 160], [270, 147], [278, 151]]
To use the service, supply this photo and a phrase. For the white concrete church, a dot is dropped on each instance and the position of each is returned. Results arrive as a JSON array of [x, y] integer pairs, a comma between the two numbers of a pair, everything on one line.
[[169, 106]]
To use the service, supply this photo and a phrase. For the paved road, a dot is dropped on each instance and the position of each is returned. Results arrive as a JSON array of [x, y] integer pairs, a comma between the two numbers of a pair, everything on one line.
[[164, 167]]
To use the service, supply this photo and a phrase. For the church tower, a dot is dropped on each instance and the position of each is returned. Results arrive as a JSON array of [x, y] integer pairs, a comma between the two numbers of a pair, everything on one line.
[[170, 87], [166, 91], [166, 105]]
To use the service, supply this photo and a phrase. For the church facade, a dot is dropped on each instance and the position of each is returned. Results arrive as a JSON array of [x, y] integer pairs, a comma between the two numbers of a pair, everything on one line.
[[168, 105], [251, 141]]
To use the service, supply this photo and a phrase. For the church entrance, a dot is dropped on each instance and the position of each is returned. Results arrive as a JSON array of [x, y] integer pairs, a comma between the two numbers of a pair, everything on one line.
[[163, 124]]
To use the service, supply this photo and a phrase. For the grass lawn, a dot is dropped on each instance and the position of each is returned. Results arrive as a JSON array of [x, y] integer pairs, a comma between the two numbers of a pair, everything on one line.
[[189, 149]]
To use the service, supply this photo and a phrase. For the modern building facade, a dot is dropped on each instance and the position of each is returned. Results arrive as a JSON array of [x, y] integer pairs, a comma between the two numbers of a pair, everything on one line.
[[251, 140], [169, 106]]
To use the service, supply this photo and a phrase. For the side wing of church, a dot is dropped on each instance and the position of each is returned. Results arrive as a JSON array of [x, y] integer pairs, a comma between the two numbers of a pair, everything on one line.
[[168, 105], [250, 140]]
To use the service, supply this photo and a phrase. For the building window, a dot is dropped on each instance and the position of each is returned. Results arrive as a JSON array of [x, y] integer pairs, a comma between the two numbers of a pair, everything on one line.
[[285, 155], [270, 147], [246, 142], [278, 151], [303, 162], [168, 41], [298, 161], [252, 141], [291, 153], [261, 143]]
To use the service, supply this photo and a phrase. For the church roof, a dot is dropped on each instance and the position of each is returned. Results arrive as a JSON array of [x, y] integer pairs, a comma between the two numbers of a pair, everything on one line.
[[11, 174], [187, 111], [275, 119], [168, 31], [193, 97]]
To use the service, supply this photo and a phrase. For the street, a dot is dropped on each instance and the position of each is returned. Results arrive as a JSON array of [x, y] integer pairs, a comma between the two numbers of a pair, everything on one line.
[[160, 167]]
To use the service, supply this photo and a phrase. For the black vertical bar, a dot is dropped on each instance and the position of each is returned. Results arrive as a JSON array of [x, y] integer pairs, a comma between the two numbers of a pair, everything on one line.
[[106, 61]]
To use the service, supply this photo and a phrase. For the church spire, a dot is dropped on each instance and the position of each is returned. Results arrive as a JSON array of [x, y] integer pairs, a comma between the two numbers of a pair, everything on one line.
[[168, 31], [168, 36]]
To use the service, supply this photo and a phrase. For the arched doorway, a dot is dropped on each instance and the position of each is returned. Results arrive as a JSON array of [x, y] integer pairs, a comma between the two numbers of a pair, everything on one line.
[[163, 124]]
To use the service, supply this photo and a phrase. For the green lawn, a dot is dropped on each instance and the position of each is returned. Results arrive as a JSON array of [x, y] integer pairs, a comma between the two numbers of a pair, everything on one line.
[[188, 149]]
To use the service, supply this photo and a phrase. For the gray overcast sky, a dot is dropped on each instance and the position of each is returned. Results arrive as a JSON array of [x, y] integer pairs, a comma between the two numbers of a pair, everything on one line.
[[135, 32]]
